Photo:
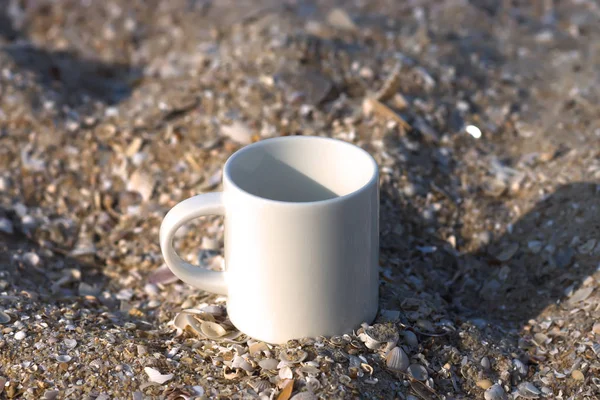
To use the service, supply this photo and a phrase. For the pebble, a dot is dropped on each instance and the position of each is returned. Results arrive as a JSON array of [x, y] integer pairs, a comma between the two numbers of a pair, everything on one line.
[[20, 335], [31, 259], [596, 328], [485, 363]]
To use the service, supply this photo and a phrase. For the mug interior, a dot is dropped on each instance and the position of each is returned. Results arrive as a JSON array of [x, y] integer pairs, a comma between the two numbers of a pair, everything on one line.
[[300, 168]]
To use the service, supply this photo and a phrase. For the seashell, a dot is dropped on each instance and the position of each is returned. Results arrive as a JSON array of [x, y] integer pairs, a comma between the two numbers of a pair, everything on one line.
[[240, 362], [213, 310], [162, 275], [304, 396], [397, 360], [596, 348], [234, 337], [367, 368], [345, 379], [238, 132], [286, 372], [484, 384], [313, 384], [293, 356], [382, 333], [212, 330], [50, 395], [508, 252], [4, 318], [257, 348], [183, 320], [260, 385], [63, 358], [268, 363], [70, 343], [369, 342], [587, 247], [520, 367], [310, 369], [231, 373], [495, 393], [337, 340], [20, 335], [528, 390], [155, 376], [577, 375], [581, 295], [418, 372]]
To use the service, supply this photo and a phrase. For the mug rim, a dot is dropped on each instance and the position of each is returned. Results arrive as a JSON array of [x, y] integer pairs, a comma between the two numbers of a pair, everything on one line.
[[230, 182]]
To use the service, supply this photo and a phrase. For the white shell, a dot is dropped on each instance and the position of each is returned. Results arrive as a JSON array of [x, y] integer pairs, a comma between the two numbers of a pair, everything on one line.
[[155, 376], [258, 347], [286, 373], [268, 363], [70, 343], [260, 386], [63, 358], [240, 362], [397, 360], [495, 392], [212, 330], [369, 341], [293, 356], [528, 390]]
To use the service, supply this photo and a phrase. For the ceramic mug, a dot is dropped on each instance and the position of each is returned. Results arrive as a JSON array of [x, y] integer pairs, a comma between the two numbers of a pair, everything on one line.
[[301, 238]]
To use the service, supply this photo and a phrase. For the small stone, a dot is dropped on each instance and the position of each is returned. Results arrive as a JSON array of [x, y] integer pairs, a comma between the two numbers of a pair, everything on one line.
[[485, 363], [577, 375], [20, 335], [596, 328], [31, 259]]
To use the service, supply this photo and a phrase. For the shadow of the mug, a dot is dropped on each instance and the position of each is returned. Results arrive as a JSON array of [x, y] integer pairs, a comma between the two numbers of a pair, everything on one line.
[[548, 253]]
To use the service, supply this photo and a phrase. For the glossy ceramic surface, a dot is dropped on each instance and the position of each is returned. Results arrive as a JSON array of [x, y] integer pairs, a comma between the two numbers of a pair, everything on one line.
[[301, 238]]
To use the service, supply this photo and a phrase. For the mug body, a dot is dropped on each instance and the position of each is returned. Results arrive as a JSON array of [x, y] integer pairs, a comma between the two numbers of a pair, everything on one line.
[[301, 238]]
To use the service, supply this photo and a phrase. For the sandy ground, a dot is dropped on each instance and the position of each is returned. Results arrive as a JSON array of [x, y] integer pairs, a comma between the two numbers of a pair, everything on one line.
[[482, 116]]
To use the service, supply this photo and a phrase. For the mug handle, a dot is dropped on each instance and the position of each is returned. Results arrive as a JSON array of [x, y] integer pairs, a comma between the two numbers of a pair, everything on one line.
[[194, 207]]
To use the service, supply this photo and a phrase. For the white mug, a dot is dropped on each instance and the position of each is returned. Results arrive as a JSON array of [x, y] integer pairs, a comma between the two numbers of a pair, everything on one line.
[[301, 238]]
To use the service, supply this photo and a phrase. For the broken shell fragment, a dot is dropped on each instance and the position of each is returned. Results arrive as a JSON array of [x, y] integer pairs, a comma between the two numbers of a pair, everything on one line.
[[155, 376]]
